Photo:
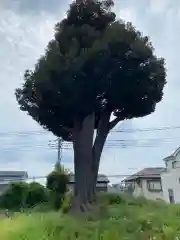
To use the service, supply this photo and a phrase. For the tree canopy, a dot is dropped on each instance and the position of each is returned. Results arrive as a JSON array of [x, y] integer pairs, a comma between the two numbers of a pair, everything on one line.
[[93, 63]]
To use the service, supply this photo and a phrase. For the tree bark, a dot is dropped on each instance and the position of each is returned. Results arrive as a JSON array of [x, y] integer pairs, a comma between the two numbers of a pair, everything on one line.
[[82, 143], [102, 132], [87, 157], [101, 136]]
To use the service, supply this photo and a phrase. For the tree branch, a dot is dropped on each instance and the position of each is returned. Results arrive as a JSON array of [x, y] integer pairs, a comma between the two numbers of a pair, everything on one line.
[[114, 122], [66, 134]]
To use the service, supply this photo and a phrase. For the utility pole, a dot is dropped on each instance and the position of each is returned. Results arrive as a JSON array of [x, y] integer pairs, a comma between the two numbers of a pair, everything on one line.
[[58, 147], [59, 150]]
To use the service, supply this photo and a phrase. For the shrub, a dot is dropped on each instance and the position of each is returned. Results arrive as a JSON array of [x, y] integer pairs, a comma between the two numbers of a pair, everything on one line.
[[22, 195], [139, 201], [57, 182], [111, 198], [66, 203], [36, 194], [15, 196]]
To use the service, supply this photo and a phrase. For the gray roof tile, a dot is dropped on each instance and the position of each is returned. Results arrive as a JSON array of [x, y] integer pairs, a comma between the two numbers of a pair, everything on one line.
[[146, 173], [13, 173]]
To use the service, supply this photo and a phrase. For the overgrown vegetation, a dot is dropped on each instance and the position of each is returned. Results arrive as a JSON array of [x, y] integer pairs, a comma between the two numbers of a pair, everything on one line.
[[21, 195], [118, 217], [57, 182]]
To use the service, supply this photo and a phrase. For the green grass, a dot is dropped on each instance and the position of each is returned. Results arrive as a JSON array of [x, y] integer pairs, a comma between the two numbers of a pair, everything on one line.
[[129, 219]]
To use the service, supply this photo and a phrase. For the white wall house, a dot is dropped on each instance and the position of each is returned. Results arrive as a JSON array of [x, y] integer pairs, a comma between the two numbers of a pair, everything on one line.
[[146, 183], [171, 178]]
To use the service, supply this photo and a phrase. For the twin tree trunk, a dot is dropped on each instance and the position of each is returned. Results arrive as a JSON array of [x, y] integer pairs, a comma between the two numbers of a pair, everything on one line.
[[87, 154]]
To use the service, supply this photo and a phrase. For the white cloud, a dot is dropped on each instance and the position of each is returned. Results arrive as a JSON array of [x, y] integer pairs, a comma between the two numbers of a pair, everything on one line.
[[160, 6], [128, 14]]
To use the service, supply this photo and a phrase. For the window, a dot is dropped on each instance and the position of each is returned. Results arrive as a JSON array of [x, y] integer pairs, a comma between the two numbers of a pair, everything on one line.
[[154, 185], [130, 185], [174, 163]]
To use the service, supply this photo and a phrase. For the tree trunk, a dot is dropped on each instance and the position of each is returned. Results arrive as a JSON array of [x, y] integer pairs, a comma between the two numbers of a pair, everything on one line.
[[82, 143], [87, 157], [101, 136]]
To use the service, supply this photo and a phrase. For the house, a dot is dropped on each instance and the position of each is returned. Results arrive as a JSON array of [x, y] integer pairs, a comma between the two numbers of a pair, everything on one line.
[[101, 186], [171, 177], [117, 188], [9, 176], [146, 183]]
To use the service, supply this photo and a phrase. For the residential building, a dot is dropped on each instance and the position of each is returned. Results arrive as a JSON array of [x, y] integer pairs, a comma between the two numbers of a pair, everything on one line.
[[117, 188], [101, 186], [9, 176], [146, 183], [171, 178]]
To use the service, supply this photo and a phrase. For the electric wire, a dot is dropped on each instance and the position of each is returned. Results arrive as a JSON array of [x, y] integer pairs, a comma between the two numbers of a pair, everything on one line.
[[126, 130]]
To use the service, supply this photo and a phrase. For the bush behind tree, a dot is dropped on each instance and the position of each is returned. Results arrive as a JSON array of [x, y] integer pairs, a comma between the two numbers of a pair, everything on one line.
[[36, 194], [23, 195], [57, 182]]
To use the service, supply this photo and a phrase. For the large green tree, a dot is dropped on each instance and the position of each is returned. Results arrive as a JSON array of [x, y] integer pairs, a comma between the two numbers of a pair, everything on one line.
[[96, 67]]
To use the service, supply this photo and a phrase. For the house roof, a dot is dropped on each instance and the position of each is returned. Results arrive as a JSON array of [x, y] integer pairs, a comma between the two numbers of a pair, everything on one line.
[[146, 173], [174, 154], [7, 174], [101, 178]]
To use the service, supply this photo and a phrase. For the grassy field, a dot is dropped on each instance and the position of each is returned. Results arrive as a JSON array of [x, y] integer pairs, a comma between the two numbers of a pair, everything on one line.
[[115, 220]]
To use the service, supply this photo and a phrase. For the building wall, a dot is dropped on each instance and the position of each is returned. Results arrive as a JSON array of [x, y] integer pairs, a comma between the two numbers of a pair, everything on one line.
[[116, 188], [171, 180], [99, 186], [171, 160], [138, 191], [141, 190]]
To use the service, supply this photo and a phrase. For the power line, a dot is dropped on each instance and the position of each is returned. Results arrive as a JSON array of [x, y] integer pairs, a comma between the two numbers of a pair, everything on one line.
[[109, 144], [24, 133], [126, 130], [34, 178], [147, 129]]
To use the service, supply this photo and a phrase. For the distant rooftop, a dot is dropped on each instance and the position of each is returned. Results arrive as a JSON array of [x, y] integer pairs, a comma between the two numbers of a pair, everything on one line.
[[101, 178], [174, 154], [14, 173], [8, 175], [146, 173]]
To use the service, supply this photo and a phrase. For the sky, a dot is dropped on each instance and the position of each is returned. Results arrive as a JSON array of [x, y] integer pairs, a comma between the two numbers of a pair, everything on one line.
[[25, 29]]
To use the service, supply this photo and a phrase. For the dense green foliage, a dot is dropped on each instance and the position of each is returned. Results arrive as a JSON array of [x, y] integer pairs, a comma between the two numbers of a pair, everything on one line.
[[95, 60], [15, 196], [23, 195], [57, 182], [36, 194], [132, 219]]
